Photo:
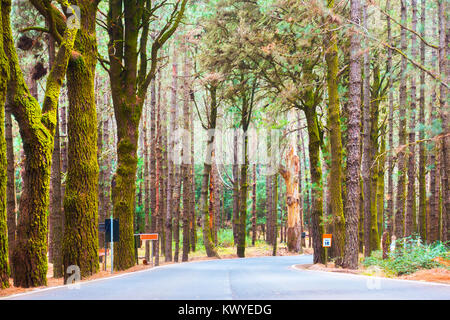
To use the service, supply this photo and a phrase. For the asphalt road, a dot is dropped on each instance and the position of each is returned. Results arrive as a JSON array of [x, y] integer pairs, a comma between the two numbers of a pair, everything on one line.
[[262, 278]]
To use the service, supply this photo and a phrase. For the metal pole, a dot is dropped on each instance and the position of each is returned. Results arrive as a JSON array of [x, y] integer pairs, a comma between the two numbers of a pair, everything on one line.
[[106, 254], [151, 251], [112, 245]]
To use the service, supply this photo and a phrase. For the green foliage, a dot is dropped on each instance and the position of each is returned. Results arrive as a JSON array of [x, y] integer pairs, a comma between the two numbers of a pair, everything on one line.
[[409, 256]]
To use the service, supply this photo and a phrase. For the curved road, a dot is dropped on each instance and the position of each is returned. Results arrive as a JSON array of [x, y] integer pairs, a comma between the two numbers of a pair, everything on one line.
[[262, 278]]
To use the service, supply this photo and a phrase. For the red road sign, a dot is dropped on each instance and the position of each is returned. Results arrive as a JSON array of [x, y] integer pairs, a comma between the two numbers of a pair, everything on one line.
[[149, 236]]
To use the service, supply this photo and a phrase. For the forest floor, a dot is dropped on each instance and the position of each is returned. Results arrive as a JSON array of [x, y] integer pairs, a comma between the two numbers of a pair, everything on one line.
[[440, 275], [259, 250]]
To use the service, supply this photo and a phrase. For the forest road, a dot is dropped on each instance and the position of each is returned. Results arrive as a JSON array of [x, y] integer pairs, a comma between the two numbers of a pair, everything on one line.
[[259, 278]]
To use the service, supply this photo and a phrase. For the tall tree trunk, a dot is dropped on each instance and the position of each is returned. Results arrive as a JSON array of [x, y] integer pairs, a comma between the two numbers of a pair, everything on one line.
[[433, 216], [130, 76], [37, 127], [243, 188], [422, 155], [444, 36], [5, 221], [210, 248], [154, 182], [334, 124], [411, 216], [56, 215], [390, 191], [316, 182], [80, 244], [399, 226], [11, 206], [193, 230], [235, 169], [254, 206], [275, 225], [290, 176], [366, 155], [162, 145], [185, 166], [175, 158], [352, 205], [373, 149]]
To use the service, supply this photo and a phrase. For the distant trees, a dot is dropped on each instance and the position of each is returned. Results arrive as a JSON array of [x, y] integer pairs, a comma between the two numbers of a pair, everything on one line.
[[130, 76]]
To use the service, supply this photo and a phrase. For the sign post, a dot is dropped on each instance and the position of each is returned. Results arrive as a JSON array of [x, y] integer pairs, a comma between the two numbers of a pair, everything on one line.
[[151, 237], [112, 244], [326, 243], [112, 235]]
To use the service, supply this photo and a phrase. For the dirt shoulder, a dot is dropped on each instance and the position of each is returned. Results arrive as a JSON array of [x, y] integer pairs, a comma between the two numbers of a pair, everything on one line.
[[439, 275]]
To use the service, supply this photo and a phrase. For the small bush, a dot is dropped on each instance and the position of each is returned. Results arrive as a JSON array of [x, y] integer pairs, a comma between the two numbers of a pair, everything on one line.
[[410, 255]]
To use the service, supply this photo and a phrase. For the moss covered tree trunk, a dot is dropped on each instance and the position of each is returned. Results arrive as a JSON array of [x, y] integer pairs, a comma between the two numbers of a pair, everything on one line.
[[374, 241], [37, 127], [316, 182], [4, 253], [80, 245], [130, 76], [334, 124], [243, 194], [210, 248]]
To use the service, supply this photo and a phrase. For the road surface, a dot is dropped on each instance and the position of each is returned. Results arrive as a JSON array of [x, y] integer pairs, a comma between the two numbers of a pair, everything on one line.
[[262, 278]]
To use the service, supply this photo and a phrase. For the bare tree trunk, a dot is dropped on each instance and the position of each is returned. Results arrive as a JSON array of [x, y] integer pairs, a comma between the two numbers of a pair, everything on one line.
[[185, 167], [254, 206], [235, 218], [433, 217], [399, 226], [352, 205], [153, 181], [411, 222], [422, 154], [444, 35], [390, 192]]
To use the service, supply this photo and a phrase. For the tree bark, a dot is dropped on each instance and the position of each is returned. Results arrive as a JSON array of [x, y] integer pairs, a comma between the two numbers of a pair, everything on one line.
[[399, 226], [352, 205], [316, 182], [11, 206], [444, 36], [334, 124], [5, 220], [80, 244], [411, 216], [37, 127], [422, 155]]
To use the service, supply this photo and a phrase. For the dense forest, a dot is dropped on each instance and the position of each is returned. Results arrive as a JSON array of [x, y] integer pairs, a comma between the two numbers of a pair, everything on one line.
[[268, 120]]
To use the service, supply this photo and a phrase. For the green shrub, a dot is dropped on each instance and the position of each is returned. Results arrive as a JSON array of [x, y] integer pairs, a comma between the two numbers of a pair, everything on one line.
[[410, 255]]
